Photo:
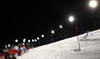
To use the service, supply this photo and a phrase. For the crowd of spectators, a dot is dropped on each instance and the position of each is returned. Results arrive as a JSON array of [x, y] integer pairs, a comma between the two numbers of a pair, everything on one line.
[[15, 50]]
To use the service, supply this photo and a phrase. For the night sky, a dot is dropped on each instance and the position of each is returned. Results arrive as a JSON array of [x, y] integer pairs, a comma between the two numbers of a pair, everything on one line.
[[31, 18]]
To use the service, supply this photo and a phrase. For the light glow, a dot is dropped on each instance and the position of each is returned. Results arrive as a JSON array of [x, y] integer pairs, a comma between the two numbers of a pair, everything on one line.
[[60, 26], [35, 40], [8, 45], [93, 3], [24, 40], [32, 40], [5, 46], [42, 36], [23, 43], [29, 41], [71, 18], [38, 38], [52, 31], [16, 40]]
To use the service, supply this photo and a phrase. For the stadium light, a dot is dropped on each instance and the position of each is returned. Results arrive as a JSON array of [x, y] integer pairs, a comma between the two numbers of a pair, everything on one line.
[[42, 36], [93, 3], [29, 41], [52, 31], [32, 40], [71, 18], [35, 40], [5, 46], [38, 38], [8, 45], [16, 40], [60, 26], [24, 40]]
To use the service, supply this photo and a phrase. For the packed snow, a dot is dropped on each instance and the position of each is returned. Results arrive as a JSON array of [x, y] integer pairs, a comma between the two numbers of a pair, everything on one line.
[[67, 48]]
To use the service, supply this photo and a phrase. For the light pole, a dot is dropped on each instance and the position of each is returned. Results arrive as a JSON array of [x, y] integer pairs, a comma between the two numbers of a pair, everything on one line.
[[95, 4], [38, 41], [61, 32], [42, 39], [52, 35], [35, 41], [71, 19]]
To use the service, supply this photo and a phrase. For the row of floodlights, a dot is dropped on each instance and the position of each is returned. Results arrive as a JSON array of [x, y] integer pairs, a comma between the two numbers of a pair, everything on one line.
[[33, 40]]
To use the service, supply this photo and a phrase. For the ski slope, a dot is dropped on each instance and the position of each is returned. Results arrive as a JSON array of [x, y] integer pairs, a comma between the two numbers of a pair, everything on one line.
[[65, 49]]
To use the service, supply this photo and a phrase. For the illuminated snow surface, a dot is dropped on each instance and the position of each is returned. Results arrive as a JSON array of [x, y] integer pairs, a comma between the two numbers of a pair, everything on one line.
[[65, 49]]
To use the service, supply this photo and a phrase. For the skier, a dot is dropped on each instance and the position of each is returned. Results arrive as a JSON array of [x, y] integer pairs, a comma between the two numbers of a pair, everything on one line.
[[87, 34]]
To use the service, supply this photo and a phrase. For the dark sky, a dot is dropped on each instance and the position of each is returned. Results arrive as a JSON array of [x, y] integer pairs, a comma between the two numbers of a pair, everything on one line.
[[31, 18]]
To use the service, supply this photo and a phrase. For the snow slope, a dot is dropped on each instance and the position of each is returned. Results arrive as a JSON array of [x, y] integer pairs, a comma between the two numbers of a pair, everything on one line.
[[65, 49]]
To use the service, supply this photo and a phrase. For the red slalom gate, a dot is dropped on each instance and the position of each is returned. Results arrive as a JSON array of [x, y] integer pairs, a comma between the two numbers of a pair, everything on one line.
[[78, 38]]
